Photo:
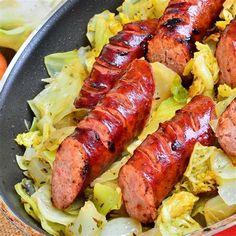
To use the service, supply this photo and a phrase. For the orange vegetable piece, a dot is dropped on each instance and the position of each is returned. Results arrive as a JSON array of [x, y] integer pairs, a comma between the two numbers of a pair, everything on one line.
[[3, 65]]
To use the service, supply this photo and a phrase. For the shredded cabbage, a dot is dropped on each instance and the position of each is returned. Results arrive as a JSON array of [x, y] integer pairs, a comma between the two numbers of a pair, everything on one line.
[[174, 215], [227, 14], [205, 69], [18, 18], [101, 27], [199, 177]]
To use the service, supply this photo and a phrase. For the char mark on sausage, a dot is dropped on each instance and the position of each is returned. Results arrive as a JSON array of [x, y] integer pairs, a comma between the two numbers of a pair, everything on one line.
[[113, 60]]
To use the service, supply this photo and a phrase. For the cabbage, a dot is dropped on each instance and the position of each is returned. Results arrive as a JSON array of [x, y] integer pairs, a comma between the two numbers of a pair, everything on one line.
[[168, 83], [29, 139], [227, 191], [18, 18], [205, 69], [106, 198], [32, 209], [88, 223], [56, 100], [133, 10], [122, 226], [100, 28], [198, 177], [40, 171], [227, 14], [216, 210], [55, 62], [112, 173], [42, 197], [222, 167], [174, 215]]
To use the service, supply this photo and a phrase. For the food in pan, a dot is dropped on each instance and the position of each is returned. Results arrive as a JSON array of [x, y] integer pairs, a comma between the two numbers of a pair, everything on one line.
[[96, 197], [102, 135]]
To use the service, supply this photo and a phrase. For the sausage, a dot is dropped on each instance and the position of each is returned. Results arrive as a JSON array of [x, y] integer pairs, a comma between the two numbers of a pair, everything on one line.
[[226, 55], [101, 137], [115, 57], [160, 161], [226, 129], [183, 23]]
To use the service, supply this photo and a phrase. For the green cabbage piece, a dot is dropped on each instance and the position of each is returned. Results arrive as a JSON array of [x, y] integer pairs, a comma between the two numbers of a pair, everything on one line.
[[199, 177], [174, 215], [100, 28], [216, 210], [56, 100], [18, 19], [55, 62], [88, 223], [132, 10], [106, 198], [170, 96], [29, 139], [227, 14], [32, 208], [205, 69]]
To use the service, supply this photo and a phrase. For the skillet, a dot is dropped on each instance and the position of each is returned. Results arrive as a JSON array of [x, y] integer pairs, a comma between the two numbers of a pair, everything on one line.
[[64, 31]]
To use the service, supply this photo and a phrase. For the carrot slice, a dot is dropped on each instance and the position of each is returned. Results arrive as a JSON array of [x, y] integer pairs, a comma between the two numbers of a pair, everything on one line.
[[3, 65]]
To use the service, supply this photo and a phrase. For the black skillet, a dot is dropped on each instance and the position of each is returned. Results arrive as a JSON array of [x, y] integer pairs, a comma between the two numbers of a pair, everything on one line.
[[64, 31]]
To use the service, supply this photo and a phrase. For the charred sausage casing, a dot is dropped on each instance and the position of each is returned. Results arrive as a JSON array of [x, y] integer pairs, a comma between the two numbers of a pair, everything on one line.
[[226, 129], [115, 57], [160, 161], [226, 55], [183, 23], [103, 134]]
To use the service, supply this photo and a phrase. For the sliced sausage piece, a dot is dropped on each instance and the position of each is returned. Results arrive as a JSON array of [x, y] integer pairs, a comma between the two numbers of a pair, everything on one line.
[[226, 55], [115, 57], [101, 137], [183, 23], [160, 161], [226, 129]]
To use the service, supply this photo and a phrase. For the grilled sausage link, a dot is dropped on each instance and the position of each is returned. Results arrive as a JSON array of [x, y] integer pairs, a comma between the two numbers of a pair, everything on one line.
[[115, 57], [103, 134], [226, 55], [183, 23], [226, 129], [160, 161]]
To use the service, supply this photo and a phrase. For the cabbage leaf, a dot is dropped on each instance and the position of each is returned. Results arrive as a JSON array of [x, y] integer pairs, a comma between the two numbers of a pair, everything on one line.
[[205, 69], [199, 177], [216, 210], [106, 198], [227, 14], [88, 223], [174, 215]]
